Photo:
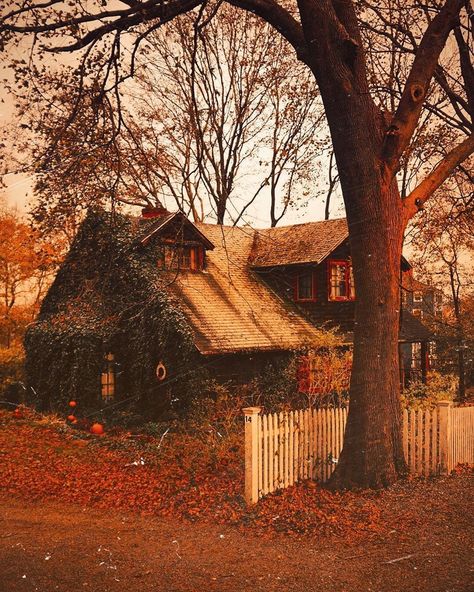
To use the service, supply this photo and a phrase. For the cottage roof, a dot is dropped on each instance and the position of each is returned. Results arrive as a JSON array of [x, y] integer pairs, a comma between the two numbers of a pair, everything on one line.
[[411, 284], [229, 307], [298, 244]]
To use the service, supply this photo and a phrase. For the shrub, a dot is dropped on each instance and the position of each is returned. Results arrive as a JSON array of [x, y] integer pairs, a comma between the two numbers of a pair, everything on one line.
[[11, 366], [439, 387]]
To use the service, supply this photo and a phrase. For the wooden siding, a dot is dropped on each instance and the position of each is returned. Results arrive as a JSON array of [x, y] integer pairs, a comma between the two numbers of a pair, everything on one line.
[[320, 310]]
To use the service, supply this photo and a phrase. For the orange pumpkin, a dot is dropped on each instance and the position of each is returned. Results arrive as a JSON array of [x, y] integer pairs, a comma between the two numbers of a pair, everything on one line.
[[97, 429], [72, 403], [71, 418]]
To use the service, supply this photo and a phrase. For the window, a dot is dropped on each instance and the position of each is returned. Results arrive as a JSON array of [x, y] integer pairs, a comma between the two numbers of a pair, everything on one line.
[[341, 281], [305, 287], [174, 257], [417, 312], [107, 379], [417, 296], [416, 355]]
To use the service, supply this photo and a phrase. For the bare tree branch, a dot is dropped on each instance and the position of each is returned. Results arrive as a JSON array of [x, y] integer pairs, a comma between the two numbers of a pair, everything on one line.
[[406, 117], [415, 200]]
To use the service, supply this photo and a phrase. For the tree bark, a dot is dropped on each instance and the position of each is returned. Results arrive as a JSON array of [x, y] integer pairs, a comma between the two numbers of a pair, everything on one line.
[[373, 453]]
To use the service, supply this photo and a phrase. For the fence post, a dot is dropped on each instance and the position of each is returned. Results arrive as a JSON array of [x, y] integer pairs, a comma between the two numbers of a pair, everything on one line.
[[444, 410], [251, 453]]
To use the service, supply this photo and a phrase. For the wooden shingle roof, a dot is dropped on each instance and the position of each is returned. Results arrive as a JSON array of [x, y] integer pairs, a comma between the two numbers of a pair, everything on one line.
[[301, 243], [228, 306]]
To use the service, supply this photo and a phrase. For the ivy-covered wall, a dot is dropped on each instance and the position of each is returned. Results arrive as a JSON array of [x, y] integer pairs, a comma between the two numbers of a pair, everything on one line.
[[109, 296]]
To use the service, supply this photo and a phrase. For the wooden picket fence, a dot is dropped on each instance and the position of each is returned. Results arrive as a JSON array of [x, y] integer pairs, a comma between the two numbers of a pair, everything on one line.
[[283, 448]]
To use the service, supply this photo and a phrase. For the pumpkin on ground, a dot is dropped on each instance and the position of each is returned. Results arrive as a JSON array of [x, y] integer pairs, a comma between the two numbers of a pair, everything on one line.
[[97, 429]]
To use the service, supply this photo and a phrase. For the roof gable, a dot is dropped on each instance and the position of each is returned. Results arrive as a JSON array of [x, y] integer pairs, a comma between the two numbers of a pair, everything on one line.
[[178, 227]]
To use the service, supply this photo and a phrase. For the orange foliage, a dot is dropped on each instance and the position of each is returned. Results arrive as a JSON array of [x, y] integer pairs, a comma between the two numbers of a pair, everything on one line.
[[27, 261], [180, 475]]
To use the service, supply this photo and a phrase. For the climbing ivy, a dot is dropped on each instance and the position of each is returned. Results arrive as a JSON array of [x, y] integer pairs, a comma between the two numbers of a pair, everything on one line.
[[110, 296]]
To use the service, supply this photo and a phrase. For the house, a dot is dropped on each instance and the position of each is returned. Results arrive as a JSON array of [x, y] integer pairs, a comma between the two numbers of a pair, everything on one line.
[[425, 302], [144, 308], [421, 300]]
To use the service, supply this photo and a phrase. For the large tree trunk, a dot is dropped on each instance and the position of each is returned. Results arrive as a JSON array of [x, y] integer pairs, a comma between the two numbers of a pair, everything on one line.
[[372, 455], [373, 452]]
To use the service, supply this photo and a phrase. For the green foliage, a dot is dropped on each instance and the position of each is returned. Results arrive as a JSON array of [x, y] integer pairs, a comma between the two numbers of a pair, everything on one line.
[[439, 387]]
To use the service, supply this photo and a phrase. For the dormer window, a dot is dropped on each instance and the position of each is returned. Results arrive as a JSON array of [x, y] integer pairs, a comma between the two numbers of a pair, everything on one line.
[[182, 257], [305, 286], [341, 281]]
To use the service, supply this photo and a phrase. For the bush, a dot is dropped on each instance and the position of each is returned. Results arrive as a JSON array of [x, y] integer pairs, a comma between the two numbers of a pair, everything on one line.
[[439, 387], [11, 366]]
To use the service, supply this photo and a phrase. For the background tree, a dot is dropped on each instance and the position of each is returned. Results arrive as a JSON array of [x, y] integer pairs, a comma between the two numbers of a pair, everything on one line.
[[214, 120], [223, 103], [443, 248], [26, 266], [369, 145]]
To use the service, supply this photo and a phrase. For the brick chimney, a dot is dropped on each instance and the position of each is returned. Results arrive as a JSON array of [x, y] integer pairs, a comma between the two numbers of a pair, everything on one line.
[[154, 212]]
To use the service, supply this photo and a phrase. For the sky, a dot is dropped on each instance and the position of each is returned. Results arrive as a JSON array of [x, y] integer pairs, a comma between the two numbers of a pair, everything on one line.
[[19, 187]]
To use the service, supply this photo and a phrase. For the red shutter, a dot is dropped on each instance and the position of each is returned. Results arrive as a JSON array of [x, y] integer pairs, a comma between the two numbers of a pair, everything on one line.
[[201, 257]]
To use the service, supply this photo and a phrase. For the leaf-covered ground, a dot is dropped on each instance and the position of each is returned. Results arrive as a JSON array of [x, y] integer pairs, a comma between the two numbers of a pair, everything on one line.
[[179, 475], [125, 513]]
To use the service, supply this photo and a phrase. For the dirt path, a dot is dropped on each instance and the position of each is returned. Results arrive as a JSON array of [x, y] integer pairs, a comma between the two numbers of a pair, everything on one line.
[[52, 546]]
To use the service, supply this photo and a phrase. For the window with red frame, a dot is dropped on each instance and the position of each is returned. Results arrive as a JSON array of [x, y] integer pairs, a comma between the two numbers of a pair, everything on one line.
[[305, 286], [182, 257], [341, 280]]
